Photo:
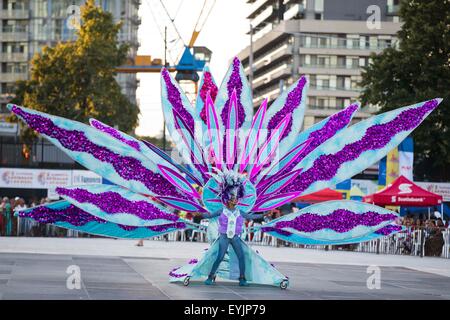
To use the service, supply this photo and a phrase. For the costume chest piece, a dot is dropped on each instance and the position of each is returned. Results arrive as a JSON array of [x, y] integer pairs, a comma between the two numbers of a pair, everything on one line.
[[231, 225]]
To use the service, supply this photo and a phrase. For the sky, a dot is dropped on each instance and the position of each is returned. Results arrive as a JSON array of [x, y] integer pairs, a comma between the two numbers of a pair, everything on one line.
[[224, 34]]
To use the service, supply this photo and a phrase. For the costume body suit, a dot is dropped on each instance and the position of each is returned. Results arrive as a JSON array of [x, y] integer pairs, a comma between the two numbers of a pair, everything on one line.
[[230, 229]]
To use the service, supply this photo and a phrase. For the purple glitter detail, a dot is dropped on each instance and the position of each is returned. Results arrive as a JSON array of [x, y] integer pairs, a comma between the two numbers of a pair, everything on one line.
[[234, 83], [272, 229], [112, 202], [174, 275], [376, 137], [337, 122], [174, 97], [165, 227], [208, 87], [126, 167], [340, 220], [115, 134], [193, 261], [387, 230], [292, 102], [159, 228], [73, 215], [127, 228], [197, 163]]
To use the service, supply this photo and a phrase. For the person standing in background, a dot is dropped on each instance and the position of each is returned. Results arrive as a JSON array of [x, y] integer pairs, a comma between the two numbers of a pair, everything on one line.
[[1, 217], [22, 224], [7, 217]]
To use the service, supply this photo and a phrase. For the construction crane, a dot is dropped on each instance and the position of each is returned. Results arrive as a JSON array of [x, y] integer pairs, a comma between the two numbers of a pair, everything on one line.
[[192, 59]]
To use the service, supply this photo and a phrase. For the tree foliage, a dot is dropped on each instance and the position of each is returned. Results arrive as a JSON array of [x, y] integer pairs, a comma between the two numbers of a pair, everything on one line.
[[418, 70], [76, 80]]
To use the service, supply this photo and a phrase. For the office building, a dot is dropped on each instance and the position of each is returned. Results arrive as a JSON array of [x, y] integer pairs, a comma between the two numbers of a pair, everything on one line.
[[329, 41]]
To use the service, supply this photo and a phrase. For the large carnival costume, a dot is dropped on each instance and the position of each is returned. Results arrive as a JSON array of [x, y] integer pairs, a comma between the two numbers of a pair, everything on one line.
[[222, 144]]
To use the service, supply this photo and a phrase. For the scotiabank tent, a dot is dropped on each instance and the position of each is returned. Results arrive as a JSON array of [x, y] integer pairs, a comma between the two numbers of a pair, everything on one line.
[[403, 192]]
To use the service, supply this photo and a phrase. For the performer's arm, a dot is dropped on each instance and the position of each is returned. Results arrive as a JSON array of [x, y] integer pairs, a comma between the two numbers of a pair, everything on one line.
[[207, 215], [253, 216]]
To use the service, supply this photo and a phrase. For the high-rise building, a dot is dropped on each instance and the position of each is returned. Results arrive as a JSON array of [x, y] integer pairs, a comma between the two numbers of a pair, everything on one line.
[[329, 41], [26, 26]]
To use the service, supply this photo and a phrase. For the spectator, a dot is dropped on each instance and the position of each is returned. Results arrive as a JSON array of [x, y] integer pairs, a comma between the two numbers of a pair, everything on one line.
[[434, 240], [140, 243], [22, 224], [196, 219], [1, 217], [418, 224], [7, 217], [436, 213]]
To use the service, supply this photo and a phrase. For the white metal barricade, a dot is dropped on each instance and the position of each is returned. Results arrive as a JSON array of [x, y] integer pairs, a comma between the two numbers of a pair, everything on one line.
[[446, 247]]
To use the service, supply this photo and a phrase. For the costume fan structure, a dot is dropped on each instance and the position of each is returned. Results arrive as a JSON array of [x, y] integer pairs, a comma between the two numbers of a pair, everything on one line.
[[223, 146]]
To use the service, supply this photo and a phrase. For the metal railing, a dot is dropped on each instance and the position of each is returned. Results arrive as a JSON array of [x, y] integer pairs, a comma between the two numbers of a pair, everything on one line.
[[334, 66], [328, 88], [346, 46], [410, 242], [13, 56], [15, 14], [42, 152]]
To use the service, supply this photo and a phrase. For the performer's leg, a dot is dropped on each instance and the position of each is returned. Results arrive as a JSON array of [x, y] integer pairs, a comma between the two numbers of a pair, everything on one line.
[[237, 246], [223, 246]]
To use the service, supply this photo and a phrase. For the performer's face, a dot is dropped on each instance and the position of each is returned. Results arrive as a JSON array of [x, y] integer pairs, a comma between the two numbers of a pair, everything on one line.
[[232, 202]]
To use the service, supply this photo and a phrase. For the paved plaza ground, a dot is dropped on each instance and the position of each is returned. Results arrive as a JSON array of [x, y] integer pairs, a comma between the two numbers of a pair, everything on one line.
[[36, 268]]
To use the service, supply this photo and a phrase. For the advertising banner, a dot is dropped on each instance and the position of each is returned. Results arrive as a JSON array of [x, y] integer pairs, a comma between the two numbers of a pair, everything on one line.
[[45, 179], [440, 188]]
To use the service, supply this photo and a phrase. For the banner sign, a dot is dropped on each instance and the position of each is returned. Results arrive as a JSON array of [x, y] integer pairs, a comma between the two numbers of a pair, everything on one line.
[[406, 158], [366, 186], [45, 179], [440, 188], [84, 177], [6, 127]]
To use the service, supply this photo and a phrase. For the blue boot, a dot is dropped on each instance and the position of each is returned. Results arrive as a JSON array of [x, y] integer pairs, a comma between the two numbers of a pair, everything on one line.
[[243, 282], [209, 281]]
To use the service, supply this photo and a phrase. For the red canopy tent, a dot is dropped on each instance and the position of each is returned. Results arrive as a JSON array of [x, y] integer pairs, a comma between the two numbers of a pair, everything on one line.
[[320, 196], [403, 192]]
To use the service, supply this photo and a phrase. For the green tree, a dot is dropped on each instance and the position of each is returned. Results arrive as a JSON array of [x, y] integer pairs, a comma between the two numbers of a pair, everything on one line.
[[76, 79], [415, 71]]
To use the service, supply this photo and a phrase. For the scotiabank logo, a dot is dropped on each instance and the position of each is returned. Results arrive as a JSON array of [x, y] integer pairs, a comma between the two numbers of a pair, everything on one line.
[[405, 188]]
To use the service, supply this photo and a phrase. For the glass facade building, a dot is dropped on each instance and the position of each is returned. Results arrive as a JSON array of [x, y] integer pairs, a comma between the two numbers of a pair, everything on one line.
[[29, 25]]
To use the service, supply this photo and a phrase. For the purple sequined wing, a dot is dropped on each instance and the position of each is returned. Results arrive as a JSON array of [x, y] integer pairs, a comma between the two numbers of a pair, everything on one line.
[[236, 82], [290, 102], [154, 154], [117, 205], [180, 118], [308, 141], [354, 149], [99, 152], [66, 215], [207, 87]]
